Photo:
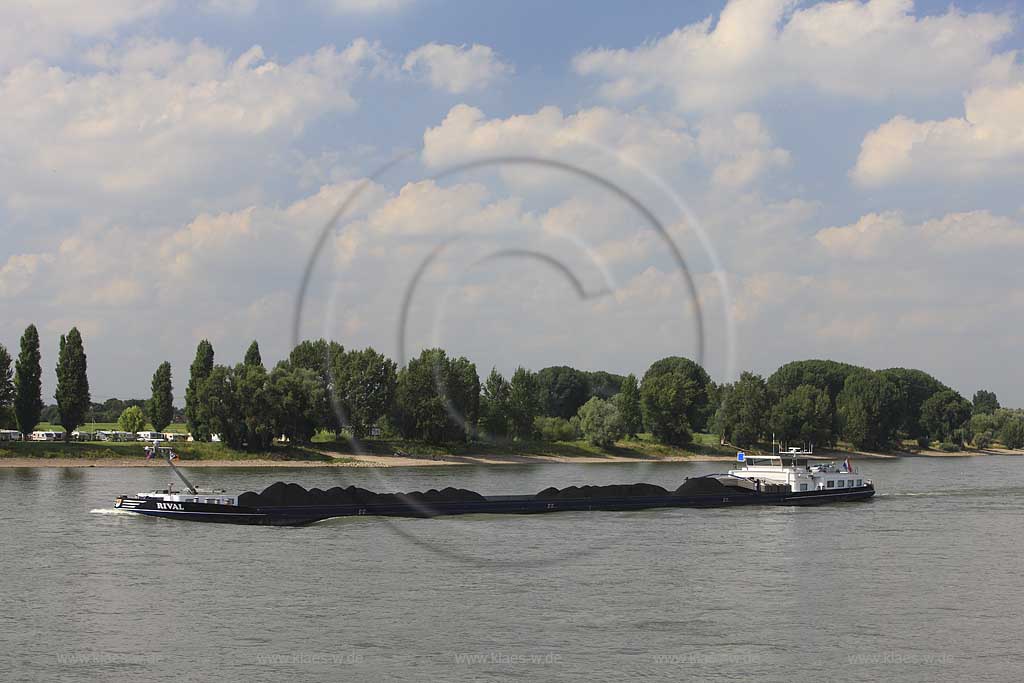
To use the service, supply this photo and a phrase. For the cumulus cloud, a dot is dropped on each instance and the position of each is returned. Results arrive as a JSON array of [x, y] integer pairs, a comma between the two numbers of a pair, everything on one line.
[[365, 6], [47, 28], [737, 150], [163, 118], [456, 68], [230, 7], [870, 50], [879, 237], [988, 141]]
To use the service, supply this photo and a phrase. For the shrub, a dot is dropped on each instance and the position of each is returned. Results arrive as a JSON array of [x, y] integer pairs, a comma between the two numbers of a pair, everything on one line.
[[982, 440], [554, 429], [924, 441], [949, 447], [1012, 433], [601, 422]]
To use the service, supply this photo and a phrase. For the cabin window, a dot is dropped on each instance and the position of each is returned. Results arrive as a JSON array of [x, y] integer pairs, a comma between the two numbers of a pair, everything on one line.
[[831, 484], [841, 484], [850, 483], [860, 482], [803, 487]]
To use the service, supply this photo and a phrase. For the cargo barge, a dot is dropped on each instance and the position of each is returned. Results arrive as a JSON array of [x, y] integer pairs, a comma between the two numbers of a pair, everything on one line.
[[783, 479]]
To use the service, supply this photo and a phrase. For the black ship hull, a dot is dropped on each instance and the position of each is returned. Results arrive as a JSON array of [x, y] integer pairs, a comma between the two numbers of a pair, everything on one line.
[[505, 505]]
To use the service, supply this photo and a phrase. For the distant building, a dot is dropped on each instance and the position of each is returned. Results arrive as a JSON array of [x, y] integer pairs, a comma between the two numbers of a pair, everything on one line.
[[10, 435]]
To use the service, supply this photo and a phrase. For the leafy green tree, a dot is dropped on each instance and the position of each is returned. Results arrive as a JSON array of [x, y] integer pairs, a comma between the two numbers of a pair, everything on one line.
[[201, 368], [524, 402], [239, 404], [742, 417], [601, 422], [674, 397], [72, 382], [252, 354], [604, 384], [563, 390], [1012, 433], [494, 415], [437, 399], [258, 405], [220, 408], [985, 428], [132, 420], [985, 402], [297, 398], [28, 385], [944, 414], [628, 403], [365, 383], [160, 408], [6, 389], [466, 390], [914, 388], [321, 357], [828, 375], [804, 415], [867, 408]]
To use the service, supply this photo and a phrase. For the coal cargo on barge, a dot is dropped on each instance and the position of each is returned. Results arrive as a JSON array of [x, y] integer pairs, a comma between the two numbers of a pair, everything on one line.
[[763, 480]]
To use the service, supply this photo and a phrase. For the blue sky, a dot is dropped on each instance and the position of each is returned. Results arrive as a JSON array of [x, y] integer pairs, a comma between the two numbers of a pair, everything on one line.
[[168, 165]]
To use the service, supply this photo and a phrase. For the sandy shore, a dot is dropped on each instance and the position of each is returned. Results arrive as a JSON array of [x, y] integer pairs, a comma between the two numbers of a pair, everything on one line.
[[381, 461], [347, 461]]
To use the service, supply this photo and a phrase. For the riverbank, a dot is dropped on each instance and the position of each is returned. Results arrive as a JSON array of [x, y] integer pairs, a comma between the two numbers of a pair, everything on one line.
[[331, 459]]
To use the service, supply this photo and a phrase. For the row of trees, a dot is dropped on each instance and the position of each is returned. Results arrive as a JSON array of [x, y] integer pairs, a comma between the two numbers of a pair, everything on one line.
[[822, 402], [321, 386], [21, 388]]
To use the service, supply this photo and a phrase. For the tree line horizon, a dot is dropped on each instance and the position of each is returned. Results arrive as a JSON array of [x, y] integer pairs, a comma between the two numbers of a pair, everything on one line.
[[437, 398]]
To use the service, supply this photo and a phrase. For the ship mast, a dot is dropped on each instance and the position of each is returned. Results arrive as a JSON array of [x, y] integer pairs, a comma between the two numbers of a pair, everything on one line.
[[166, 452]]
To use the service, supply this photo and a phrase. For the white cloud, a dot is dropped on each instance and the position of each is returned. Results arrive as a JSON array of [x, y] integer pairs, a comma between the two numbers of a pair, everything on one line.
[[236, 8], [871, 50], [47, 28], [365, 6], [988, 141], [17, 273], [163, 121], [456, 68], [886, 237], [642, 138], [737, 149]]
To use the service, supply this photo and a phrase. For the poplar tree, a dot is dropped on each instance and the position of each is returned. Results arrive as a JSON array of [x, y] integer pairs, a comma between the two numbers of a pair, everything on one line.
[[6, 387], [252, 355], [28, 385], [195, 416], [72, 382], [628, 403], [160, 408]]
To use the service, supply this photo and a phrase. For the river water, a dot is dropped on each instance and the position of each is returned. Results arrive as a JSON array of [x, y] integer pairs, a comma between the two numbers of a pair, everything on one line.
[[923, 583]]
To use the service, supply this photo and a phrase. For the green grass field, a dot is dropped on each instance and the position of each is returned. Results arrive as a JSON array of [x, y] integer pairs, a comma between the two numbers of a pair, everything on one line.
[[130, 450], [643, 447]]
